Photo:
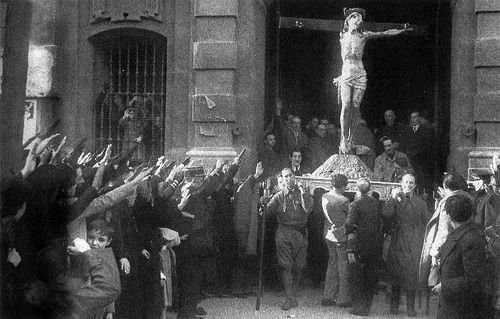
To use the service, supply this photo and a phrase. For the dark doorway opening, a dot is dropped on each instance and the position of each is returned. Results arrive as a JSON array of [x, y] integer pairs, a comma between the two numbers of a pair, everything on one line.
[[405, 73]]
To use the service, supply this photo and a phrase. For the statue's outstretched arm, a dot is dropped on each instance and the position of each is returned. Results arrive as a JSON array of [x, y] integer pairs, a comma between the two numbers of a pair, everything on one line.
[[387, 33]]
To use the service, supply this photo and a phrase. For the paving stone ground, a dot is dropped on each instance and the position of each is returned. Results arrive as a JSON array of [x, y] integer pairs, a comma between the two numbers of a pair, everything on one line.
[[309, 308]]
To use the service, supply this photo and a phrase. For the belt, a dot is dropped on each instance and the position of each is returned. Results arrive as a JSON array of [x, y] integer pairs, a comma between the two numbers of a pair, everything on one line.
[[300, 228]]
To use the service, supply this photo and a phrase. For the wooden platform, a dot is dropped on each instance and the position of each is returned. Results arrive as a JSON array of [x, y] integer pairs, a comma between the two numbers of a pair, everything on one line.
[[313, 182]]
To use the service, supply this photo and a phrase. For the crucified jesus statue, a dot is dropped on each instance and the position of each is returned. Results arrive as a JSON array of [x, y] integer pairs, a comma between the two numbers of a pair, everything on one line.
[[352, 83]]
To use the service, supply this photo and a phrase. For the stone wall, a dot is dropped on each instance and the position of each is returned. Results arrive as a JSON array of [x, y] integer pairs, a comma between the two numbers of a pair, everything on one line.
[[487, 79], [15, 28]]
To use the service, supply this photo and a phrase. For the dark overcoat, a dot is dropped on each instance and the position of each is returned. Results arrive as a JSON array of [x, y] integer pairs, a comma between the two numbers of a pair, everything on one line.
[[462, 270], [403, 258]]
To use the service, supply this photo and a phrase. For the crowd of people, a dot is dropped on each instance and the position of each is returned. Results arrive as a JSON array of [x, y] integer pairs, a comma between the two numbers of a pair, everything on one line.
[[104, 235], [91, 235], [390, 150]]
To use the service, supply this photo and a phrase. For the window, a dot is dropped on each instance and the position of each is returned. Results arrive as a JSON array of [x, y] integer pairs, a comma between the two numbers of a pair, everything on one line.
[[132, 111]]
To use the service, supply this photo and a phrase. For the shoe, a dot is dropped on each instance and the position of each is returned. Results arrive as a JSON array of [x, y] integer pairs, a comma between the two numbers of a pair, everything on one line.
[[200, 311], [344, 305], [325, 302], [289, 304], [358, 313], [394, 310], [411, 312]]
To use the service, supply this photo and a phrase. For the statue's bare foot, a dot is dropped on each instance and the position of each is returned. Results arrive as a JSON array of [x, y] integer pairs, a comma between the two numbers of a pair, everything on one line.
[[344, 147]]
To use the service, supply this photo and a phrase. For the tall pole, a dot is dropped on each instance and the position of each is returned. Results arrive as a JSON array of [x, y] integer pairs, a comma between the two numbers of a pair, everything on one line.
[[262, 210], [277, 93]]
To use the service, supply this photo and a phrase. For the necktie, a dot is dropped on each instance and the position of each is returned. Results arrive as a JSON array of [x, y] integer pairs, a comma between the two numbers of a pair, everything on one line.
[[414, 129]]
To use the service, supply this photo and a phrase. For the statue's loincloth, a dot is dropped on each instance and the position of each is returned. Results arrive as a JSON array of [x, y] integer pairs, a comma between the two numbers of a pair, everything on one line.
[[356, 80]]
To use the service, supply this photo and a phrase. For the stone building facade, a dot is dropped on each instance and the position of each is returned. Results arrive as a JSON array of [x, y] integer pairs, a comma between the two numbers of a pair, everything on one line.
[[203, 74]]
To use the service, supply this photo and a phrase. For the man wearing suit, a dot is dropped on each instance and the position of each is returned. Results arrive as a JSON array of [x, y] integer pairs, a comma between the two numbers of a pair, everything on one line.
[[296, 163], [319, 148], [392, 129], [293, 138], [385, 164], [462, 265], [416, 143], [363, 226], [411, 216], [268, 156]]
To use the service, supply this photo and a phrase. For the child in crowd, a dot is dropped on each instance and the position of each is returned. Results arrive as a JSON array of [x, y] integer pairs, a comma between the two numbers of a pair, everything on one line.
[[99, 236]]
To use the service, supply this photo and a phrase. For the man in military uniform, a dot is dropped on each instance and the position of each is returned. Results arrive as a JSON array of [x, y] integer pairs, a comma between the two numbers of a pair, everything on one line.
[[291, 206]]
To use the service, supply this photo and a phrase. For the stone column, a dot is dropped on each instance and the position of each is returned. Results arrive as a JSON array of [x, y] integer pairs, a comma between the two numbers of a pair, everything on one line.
[[463, 84], [41, 82], [487, 81], [214, 75], [13, 89]]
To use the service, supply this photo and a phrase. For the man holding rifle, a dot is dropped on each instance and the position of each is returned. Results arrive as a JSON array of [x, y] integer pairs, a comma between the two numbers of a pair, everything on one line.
[[291, 206]]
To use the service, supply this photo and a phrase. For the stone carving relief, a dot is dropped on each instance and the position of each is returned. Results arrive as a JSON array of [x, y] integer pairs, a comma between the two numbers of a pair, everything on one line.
[[125, 10]]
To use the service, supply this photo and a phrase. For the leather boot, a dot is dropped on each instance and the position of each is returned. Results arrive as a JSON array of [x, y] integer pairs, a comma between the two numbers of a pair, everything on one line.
[[410, 303], [295, 286], [288, 284], [395, 296]]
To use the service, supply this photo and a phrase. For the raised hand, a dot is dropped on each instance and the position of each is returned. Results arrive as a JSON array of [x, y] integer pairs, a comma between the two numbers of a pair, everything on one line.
[[161, 165], [176, 173], [125, 265], [43, 144], [219, 164], [107, 154], [30, 164], [259, 170], [145, 254], [142, 175], [238, 158], [184, 201], [56, 151], [14, 258]]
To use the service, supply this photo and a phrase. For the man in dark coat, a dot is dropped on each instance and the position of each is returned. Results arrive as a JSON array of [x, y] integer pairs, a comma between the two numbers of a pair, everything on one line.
[[391, 129], [416, 143], [462, 265], [197, 223], [268, 156], [363, 225], [319, 148], [411, 216]]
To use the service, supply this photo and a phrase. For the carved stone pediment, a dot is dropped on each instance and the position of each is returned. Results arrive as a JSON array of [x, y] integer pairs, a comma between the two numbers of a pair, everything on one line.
[[125, 10]]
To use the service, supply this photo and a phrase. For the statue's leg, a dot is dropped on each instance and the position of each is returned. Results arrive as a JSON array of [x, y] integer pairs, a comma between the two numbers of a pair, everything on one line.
[[345, 116], [357, 97]]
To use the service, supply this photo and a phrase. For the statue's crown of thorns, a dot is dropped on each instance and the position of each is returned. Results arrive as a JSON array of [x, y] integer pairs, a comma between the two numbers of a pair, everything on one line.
[[349, 11]]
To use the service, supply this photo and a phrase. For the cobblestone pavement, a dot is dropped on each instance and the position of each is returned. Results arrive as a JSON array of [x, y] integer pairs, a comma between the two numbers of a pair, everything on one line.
[[309, 308]]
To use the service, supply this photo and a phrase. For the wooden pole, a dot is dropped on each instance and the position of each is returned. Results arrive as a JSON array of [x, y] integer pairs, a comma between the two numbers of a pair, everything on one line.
[[277, 93], [261, 258], [262, 210]]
